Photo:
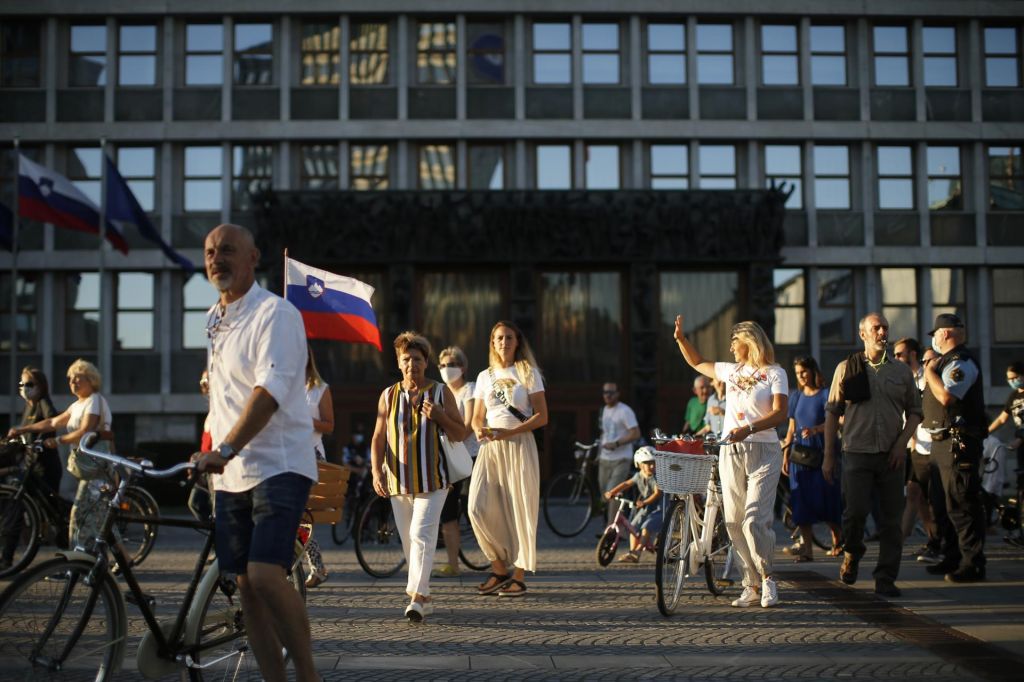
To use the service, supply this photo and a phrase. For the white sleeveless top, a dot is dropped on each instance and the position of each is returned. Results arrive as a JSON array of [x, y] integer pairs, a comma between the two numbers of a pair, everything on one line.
[[313, 396]]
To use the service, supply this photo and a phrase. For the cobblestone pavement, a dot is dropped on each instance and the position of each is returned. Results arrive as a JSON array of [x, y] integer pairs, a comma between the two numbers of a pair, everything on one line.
[[581, 622]]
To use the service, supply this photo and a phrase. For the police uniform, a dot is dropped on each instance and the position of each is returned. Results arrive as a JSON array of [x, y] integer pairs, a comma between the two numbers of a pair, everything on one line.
[[957, 433]]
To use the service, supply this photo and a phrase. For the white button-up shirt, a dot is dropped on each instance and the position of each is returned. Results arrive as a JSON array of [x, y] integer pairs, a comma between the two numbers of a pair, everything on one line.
[[259, 340]]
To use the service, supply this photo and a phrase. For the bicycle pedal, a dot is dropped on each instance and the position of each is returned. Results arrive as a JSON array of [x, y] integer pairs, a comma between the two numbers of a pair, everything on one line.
[[150, 600]]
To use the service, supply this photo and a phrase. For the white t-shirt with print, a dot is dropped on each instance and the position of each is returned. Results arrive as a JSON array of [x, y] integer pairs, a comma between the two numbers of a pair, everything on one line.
[[81, 409], [465, 394], [616, 421], [506, 380], [748, 396]]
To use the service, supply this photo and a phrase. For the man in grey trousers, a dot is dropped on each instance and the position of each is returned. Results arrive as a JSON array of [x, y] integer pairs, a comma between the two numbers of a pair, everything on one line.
[[882, 408]]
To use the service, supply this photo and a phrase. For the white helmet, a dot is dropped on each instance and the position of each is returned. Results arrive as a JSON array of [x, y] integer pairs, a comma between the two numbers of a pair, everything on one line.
[[643, 454]]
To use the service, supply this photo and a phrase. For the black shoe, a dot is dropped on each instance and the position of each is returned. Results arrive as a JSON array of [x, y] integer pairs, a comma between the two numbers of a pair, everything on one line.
[[966, 575], [941, 568], [887, 589], [848, 571]]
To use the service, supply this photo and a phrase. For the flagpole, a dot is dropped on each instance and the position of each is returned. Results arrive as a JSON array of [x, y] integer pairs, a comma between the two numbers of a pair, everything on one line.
[[284, 275], [101, 340], [14, 284]]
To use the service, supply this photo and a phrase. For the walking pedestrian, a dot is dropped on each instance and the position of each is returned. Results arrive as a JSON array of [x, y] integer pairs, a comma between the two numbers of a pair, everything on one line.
[[619, 429], [34, 389], [1013, 410], [751, 462], [697, 407], [321, 410]]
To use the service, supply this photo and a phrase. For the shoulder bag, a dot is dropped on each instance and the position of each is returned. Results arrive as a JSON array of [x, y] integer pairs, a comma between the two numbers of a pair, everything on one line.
[[456, 456], [513, 410], [804, 455]]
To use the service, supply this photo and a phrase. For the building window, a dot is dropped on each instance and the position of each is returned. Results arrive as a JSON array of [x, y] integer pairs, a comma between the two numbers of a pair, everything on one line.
[[670, 166], [134, 320], [88, 60], [666, 54], [782, 163], [790, 306], [254, 54], [581, 310], [552, 54], [485, 54], [436, 166], [20, 51], [828, 55], [717, 165], [895, 178], [25, 322], [318, 166], [949, 291], [81, 311], [709, 303], [202, 178], [892, 56], [714, 54], [368, 54], [836, 323], [554, 166], [1005, 178], [136, 58], [945, 184], [939, 46], [1002, 61], [252, 172], [435, 53], [1008, 305], [459, 308], [137, 165], [899, 301], [600, 54], [84, 171], [321, 57], [370, 166], [602, 170], [486, 166], [779, 55], [198, 296], [832, 177], [204, 54]]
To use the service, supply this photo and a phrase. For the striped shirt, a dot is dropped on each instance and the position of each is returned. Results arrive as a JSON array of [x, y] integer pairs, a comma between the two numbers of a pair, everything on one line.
[[413, 457]]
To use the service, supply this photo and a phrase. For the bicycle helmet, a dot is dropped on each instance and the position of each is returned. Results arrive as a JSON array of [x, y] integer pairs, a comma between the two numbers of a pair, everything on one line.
[[643, 454]]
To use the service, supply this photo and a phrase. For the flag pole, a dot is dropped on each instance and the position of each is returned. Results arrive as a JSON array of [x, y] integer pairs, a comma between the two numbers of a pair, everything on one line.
[[284, 275], [14, 284], [102, 331]]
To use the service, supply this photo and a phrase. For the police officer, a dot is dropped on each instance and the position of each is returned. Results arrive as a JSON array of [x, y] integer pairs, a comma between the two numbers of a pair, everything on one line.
[[954, 414]]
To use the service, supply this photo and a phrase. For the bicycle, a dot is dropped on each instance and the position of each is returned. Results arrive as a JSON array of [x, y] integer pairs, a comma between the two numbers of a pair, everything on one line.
[[693, 535], [379, 547], [820, 534], [31, 513], [619, 529], [359, 491], [1011, 514], [66, 615], [571, 499]]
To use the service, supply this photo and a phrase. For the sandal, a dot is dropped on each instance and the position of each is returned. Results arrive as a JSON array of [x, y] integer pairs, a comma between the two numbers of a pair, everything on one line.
[[505, 592], [500, 581], [629, 558], [835, 551]]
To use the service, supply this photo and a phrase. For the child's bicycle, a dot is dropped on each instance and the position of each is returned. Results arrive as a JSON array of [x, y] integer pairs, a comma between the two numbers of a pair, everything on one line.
[[618, 530], [693, 535]]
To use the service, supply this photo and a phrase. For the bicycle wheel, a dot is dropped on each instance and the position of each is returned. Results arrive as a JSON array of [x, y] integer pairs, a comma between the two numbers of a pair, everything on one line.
[[342, 530], [138, 537], [606, 546], [56, 627], [19, 532], [720, 545], [378, 546], [220, 638], [569, 503], [470, 553], [670, 569]]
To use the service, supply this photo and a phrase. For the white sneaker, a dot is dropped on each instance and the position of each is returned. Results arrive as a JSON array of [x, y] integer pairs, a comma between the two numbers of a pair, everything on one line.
[[748, 597], [416, 611], [769, 593]]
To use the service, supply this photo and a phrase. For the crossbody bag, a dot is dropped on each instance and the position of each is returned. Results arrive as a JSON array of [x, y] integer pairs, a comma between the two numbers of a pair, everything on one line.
[[500, 393]]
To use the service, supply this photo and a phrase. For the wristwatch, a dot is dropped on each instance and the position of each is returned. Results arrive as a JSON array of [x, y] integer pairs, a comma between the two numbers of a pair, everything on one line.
[[226, 451]]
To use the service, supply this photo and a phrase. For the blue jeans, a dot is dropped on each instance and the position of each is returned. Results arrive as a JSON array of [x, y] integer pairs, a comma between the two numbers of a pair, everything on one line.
[[260, 524]]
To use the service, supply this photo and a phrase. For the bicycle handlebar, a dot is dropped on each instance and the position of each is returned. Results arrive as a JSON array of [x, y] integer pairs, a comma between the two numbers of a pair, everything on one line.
[[145, 467]]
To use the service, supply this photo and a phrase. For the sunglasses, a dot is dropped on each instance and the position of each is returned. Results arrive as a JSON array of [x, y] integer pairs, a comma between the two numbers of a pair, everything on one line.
[[448, 364], [26, 384], [609, 392]]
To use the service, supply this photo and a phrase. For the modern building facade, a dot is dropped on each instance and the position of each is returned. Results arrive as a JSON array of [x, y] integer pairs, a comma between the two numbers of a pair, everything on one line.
[[899, 127]]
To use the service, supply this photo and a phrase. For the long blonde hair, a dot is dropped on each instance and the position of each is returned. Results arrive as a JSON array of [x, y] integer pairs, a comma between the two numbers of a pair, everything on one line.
[[760, 352], [524, 361], [313, 377]]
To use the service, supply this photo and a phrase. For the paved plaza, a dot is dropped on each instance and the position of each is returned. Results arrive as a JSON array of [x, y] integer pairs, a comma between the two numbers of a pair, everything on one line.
[[580, 622]]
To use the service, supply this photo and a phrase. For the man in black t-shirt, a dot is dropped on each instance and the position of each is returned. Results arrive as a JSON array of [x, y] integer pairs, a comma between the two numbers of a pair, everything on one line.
[[1013, 410]]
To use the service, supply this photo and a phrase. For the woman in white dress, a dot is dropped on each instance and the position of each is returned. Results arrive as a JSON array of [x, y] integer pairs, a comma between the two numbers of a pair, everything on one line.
[[321, 410]]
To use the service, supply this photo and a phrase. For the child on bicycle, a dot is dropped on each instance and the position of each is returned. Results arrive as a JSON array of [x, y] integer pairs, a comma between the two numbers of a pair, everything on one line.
[[647, 515]]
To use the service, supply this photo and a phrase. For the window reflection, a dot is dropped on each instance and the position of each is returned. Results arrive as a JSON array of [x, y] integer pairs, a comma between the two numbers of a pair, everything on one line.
[[202, 178], [437, 166], [81, 313], [892, 58], [204, 54], [581, 326], [948, 291], [939, 47], [252, 172], [670, 167], [459, 308], [600, 53], [1006, 178], [486, 167], [88, 59], [198, 296], [134, 321], [485, 49], [602, 166], [254, 54], [782, 164], [714, 54], [836, 323], [1008, 304], [717, 166], [666, 54], [708, 302], [828, 55], [832, 177], [895, 178], [368, 48], [321, 44], [1001, 59], [25, 319], [435, 53], [318, 166], [945, 185], [779, 59], [137, 165], [554, 166], [552, 57], [136, 63], [790, 311], [899, 301], [369, 166]]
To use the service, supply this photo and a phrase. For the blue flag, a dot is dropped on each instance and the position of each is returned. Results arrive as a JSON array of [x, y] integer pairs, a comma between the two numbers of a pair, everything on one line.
[[123, 209], [6, 228]]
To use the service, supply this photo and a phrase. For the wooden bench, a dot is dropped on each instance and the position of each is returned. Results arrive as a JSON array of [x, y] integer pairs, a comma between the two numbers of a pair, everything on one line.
[[327, 497]]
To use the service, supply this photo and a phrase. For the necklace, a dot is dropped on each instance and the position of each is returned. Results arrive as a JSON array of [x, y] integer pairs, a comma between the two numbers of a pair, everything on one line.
[[876, 365]]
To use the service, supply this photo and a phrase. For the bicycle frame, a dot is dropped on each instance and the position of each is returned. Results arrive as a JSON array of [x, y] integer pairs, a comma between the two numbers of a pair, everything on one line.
[[624, 528]]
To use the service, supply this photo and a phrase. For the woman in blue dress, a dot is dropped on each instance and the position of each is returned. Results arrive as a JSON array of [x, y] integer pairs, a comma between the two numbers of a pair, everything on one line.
[[812, 498]]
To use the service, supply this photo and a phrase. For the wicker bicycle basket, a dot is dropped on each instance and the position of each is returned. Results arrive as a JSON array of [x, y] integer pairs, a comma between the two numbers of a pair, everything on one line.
[[682, 474]]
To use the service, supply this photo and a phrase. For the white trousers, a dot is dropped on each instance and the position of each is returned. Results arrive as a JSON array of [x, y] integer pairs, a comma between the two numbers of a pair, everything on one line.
[[750, 472], [418, 517]]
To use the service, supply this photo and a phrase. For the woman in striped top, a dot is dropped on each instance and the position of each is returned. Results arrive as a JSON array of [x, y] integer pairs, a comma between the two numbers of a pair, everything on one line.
[[408, 465]]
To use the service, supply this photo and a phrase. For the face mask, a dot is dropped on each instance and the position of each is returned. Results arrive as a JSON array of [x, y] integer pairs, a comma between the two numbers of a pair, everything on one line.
[[357, 438], [450, 374], [1016, 383], [935, 345], [29, 393]]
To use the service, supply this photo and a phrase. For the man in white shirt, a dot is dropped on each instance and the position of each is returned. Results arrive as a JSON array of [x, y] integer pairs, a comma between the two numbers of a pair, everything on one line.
[[262, 459], [618, 431]]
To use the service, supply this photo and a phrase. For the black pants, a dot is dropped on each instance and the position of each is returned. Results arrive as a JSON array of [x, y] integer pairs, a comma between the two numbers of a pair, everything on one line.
[[961, 483], [926, 474], [865, 476]]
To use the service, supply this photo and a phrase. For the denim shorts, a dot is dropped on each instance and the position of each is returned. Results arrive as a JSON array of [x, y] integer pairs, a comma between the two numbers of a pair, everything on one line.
[[260, 524]]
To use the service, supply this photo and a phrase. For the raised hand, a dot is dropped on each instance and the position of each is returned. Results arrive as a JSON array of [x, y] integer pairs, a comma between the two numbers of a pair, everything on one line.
[[678, 334]]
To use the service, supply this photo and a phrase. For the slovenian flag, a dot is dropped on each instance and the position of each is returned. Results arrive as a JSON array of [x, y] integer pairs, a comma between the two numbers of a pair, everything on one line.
[[333, 307], [49, 197]]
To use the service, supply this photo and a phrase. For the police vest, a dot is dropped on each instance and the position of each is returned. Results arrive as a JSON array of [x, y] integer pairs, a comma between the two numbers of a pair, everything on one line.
[[971, 407]]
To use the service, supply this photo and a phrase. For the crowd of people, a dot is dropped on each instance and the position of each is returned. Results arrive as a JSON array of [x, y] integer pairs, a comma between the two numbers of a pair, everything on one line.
[[889, 420]]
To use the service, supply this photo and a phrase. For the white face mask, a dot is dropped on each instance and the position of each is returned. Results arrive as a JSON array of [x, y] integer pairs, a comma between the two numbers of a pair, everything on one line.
[[450, 374], [935, 344]]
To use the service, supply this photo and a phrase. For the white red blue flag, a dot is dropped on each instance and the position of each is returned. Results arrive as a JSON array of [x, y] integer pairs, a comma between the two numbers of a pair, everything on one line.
[[49, 197], [333, 307]]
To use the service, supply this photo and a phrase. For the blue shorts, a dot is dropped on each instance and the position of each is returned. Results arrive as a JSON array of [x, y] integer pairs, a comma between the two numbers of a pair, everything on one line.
[[649, 521], [260, 524]]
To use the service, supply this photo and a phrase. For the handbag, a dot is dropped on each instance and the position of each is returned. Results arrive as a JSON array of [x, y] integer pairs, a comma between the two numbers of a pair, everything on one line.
[[83, 467], [806, 456], [456, 455]]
